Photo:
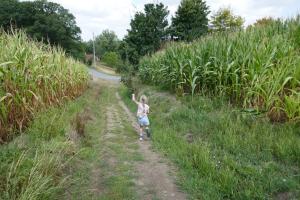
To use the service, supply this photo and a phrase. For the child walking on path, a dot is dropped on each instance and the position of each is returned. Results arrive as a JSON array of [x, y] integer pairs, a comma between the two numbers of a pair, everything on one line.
[[142, 115]]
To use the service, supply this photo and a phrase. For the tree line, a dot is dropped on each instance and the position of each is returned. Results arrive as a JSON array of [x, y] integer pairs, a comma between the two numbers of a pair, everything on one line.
[[43, 21], [149, 30]]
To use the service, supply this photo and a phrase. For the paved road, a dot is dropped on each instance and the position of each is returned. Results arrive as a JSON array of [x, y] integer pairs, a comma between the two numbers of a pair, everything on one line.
[[104, 76]]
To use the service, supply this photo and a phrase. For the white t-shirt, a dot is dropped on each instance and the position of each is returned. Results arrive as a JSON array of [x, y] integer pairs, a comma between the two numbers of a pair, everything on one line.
[[143, 110]]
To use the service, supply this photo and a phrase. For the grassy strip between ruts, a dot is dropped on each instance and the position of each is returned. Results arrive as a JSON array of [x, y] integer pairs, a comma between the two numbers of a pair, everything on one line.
[[221, 152], [104, 167]]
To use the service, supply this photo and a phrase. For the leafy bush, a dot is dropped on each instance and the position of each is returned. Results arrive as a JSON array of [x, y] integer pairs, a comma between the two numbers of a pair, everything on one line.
[[112, 59]]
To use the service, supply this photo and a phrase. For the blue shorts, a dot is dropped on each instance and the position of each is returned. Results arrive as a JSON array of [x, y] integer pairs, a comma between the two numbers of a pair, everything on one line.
[[143, 121]]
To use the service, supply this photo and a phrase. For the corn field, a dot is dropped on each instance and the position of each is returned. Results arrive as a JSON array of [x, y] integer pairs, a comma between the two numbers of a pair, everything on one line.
[[257, 68], [33, 76]]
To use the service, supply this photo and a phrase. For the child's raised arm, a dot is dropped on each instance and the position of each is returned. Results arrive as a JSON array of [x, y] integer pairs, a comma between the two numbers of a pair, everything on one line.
[[133, 99]]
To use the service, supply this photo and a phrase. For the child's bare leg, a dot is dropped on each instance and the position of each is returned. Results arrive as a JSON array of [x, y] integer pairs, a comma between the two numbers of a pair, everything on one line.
[[147, 131], [141, 133]]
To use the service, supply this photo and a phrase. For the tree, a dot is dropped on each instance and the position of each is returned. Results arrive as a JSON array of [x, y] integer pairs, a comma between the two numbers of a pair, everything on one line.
[[190, 21], [128, 53], [224, 19], [147, 31], [107, 41], [44, 21], [9, 11], [89, 47], [264, 21]]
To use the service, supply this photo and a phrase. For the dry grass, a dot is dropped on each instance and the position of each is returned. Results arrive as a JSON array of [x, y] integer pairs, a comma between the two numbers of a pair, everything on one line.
[[80, 120]]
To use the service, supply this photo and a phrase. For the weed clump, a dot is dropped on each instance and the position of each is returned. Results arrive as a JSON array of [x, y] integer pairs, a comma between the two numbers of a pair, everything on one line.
[[80, 120]]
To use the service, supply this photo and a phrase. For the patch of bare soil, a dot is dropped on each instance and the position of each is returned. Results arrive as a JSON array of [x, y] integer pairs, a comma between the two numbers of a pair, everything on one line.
[[154, 179], [112, 119], [284, 196]]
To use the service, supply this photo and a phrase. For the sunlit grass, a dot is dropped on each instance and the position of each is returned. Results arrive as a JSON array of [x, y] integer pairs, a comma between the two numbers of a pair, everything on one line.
[[221, 152]]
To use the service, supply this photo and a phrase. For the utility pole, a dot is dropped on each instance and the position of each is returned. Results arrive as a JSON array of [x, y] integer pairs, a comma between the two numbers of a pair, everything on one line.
[[94, 50]]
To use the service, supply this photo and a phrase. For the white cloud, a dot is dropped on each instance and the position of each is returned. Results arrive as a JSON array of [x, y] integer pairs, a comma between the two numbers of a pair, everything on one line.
[[97, 15], [93, 16], [251, 10]]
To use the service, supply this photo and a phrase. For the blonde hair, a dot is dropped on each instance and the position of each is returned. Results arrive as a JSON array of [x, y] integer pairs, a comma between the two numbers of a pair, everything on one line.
[[143, 99]]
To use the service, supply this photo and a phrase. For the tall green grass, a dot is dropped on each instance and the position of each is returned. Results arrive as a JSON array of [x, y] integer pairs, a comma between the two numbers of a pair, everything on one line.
[[222, 153], [36, 165], [257, 68], [33, 76]]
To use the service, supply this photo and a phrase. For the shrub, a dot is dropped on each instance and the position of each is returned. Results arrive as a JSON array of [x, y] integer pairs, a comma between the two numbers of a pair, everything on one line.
[[112, 59]]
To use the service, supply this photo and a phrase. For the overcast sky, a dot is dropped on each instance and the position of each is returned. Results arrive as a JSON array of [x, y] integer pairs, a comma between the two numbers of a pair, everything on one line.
[[97, 15]]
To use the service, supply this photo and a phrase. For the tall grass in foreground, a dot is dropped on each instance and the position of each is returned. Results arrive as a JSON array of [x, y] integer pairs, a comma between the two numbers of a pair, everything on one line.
[[258, 68], [35, 165], [222, 153], [32, 76]]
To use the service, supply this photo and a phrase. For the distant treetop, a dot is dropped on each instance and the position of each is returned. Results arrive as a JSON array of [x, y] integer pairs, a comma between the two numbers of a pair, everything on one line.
[[190, 20], [224, 19], [44, 21]]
